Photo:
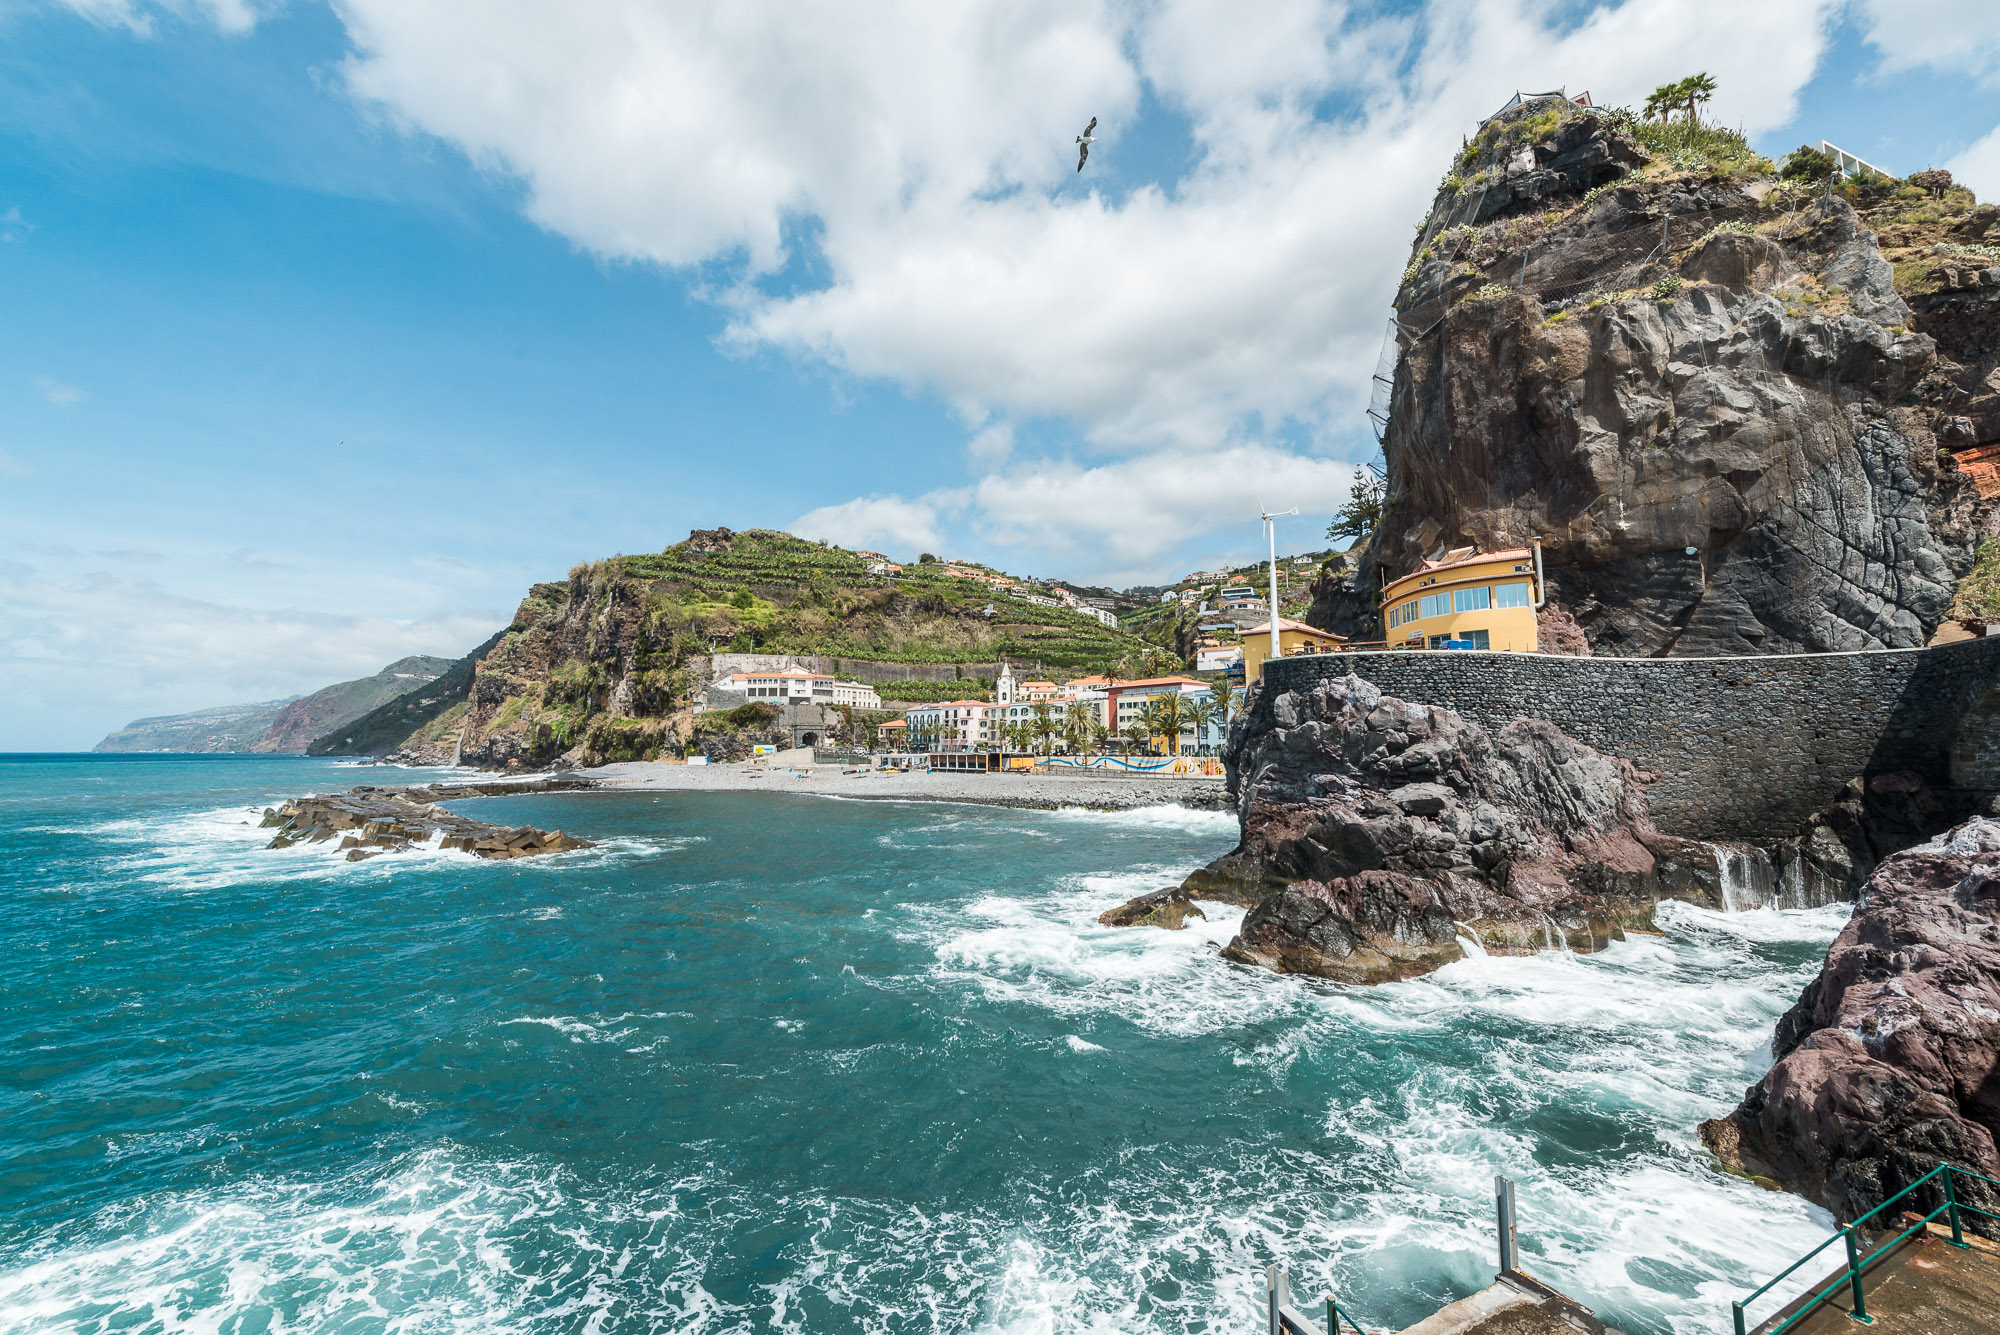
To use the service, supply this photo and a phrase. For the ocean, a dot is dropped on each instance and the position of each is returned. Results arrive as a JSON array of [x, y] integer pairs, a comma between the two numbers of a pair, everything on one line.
[[770, 1063]]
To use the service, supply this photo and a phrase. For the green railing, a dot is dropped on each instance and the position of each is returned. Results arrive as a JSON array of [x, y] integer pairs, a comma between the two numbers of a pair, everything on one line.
[[1850, 1275]]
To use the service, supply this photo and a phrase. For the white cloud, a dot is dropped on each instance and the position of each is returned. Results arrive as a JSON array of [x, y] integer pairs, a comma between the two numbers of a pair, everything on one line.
[[920, 157], [13, 226], [56, 392], [139, 16], [1979, 166], [1959, 36], [990, 446], [12, 467], [1116, 522], [901, 527], [83, 651]]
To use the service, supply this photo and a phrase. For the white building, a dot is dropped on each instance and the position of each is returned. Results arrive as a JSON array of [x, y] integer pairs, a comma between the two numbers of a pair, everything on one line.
[[950, 724], [1218, 658], [796, 685]]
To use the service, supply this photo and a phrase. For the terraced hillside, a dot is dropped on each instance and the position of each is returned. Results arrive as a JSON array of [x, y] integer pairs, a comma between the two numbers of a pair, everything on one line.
[[599, 667]]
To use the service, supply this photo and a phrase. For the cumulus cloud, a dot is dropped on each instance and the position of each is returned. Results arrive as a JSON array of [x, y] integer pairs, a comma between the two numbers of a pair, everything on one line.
[[894, 524], [1116, 522], [918, 158], [1959, 36]]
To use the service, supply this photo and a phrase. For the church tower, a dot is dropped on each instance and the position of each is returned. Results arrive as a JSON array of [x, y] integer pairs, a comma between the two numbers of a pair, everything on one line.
[[1003, 689]]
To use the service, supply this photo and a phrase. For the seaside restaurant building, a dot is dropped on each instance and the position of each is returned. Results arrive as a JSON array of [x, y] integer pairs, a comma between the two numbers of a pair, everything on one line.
[[1466, 599]]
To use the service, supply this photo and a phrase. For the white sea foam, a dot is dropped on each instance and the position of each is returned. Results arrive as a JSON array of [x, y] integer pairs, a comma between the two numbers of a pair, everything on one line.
[[1167, 816]]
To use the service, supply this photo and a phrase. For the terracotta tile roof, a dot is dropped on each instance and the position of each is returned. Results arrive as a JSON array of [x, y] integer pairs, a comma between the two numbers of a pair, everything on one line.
[[1981, 463]]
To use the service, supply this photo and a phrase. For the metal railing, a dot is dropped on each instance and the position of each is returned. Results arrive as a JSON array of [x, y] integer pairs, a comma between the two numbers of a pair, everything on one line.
[[1285, 1319], [1850, 1274]]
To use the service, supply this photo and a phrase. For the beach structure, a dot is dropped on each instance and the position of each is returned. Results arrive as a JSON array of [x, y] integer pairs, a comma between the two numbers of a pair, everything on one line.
[[1467, 599], [1294, 637]]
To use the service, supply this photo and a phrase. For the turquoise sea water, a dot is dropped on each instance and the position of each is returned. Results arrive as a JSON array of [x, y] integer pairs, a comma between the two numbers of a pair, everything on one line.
[[765, 1063]]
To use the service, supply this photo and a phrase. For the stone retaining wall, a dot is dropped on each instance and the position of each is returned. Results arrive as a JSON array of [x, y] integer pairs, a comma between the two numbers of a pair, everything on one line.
[[1746, 748]]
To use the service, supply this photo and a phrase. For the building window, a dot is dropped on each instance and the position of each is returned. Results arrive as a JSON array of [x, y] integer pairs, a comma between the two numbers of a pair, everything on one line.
[[1434, 605], [1516, 594], [1472, 600]]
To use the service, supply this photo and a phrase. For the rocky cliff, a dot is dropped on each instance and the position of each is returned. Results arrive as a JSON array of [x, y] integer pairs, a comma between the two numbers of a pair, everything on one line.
[[1377, 832], [1700, 387], [1890, 1061]]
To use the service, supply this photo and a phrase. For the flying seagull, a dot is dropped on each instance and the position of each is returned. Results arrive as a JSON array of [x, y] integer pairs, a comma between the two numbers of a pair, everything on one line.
[[1083, 143]]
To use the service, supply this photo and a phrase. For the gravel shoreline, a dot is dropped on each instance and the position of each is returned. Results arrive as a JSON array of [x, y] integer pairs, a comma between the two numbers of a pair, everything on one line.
[[1044, 791]]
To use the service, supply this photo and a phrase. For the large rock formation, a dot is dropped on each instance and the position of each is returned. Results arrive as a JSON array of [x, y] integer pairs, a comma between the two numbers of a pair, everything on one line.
[[1706, 398], [1377, 832], [1890, 1061]]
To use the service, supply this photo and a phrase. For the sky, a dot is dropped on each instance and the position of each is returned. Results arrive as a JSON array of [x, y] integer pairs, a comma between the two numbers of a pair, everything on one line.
[[326, 329]]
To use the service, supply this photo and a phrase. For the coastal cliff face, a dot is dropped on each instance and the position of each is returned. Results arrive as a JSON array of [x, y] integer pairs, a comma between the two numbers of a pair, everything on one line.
[[1709, 401], [1377, 833], [1890, 1061]]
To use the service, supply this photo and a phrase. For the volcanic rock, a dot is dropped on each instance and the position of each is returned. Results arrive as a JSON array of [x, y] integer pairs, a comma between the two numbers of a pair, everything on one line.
[[1705, 396], [392, 819], [1169, 908], [1890, 1061], [1376, 832]]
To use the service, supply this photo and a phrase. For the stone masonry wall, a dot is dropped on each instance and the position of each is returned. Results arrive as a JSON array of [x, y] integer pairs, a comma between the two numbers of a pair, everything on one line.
[[1745, 748]]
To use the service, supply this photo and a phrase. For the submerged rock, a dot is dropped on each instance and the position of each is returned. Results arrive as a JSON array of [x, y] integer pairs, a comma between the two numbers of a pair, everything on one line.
[[1890, 1061], [1169, 908], [1377, 832]]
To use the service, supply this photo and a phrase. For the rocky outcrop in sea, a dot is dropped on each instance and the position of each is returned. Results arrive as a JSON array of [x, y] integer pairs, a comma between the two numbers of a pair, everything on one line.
[[1890, 1061], [1377, 833], [372, 821]]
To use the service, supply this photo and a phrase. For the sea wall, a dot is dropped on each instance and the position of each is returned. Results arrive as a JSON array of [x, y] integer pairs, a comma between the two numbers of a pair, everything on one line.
[[1745, 748]]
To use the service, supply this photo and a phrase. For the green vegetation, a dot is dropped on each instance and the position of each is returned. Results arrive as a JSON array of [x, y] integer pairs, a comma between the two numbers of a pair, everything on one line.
[[932, 692], [1979, 592], [1362, 514], [1708, 150], [768, 592]]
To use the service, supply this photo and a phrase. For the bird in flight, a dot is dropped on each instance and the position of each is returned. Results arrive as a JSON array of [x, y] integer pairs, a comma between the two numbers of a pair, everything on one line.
[[1083, 143]]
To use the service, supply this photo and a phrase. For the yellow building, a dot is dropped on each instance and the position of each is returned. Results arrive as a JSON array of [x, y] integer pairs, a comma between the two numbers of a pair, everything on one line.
[[1294, 637], [1466, 599]]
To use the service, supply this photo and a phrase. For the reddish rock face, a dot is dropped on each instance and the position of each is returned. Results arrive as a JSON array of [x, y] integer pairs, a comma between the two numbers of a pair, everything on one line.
[[1890, 1061], [1377, 833]]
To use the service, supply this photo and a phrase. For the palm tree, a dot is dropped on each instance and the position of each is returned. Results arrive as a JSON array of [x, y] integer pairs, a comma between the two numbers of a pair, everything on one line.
[[1044, 725], [1138, 734], [1170, 717], [1077, 721], [1695, 90], [1203, 713], [1662, 100]]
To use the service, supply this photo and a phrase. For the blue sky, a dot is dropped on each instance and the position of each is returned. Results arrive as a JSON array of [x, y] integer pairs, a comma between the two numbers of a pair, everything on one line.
[[331, 328]]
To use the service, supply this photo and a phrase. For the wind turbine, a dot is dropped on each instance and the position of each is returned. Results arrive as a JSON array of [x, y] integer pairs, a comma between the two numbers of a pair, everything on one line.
[[1271, 518]]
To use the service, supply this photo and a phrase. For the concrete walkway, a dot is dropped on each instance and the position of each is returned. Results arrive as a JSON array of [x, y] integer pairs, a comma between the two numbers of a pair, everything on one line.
[[1925, 1287], [1514, 1304]]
